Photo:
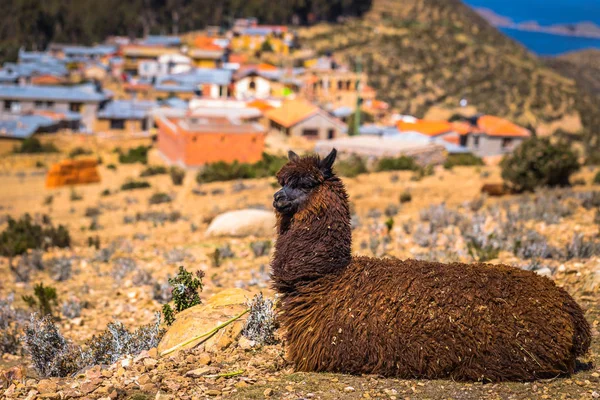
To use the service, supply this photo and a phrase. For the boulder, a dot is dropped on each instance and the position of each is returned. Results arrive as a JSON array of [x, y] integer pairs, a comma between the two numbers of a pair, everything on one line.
[[204, 317], [241, 223]]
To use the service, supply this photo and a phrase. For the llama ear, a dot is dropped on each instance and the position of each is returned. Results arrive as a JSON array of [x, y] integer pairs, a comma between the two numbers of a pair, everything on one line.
[[293, 156], [327, 162]]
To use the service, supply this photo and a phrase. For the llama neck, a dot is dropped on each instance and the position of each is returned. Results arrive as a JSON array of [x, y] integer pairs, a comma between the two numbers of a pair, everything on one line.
[[316, 241]]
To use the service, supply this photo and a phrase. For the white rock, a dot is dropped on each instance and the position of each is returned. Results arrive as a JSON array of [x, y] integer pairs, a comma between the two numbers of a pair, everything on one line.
[[243, 223], [545, 271], [349, 389]]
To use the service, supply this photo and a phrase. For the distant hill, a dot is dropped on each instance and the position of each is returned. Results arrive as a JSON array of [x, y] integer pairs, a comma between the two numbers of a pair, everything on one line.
[[582, 66], [421, 53]]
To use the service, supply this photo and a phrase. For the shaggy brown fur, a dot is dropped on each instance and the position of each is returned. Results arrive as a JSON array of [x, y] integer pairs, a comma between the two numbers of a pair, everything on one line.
[[409, 319]]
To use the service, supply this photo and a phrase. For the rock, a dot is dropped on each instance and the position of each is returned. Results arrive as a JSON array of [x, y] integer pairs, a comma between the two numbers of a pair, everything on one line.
[[595, 395], [544, 271], [46, 386], [203, 359], [163, 396], [246, 344], [197, 373], [268, 392], [242, 223], [349, 389], [213, 392], [204, 317], [150, 362]]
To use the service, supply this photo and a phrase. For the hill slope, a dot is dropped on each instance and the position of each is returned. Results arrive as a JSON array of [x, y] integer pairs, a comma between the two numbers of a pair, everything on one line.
[[421, 53], [582, 66]]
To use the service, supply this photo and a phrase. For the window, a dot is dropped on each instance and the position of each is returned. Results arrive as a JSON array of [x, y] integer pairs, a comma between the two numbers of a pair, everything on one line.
[[75, 107], [117, 124], [12, 106], [252, 85], [44, 104], [39, 104], [7, 105], [340, 85], [476, 141], [330, 134], [507, 143], [310, 133]]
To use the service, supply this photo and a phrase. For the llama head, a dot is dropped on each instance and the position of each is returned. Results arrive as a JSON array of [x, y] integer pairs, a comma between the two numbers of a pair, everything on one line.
[[300, 179]]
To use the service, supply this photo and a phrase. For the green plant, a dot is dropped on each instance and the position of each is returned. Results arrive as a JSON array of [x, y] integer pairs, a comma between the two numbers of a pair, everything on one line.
[[79, 151], [111, 167], [75, 196], [159, 198], [132, 185], [463, 159], [23, 234], [389, 225], [266, 47], [222, 171], [405, 197], [351, 167], [105, 192], [153, 170], [33, 145], [43, 300], [48, 200], [538, 162], [135, 155], [177, 175], [596, 180], [402, 163], [185, 288], [39, 164]]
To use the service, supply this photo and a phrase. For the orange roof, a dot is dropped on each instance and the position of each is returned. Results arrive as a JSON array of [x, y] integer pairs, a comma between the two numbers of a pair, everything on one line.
[[462, 128], [137, 86], [238, 58], [46, 79], [260, 104], [429, 128], [454, 139], [291, 112], [266, 67], [206, 43], [495, 126]]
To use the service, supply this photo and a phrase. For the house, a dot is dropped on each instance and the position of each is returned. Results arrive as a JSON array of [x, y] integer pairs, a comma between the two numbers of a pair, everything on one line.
[[196, 141], [82, 53], [25, 126], [490, 136], [30, 67], [208, 52], [213, 83], [275, 38], [85, 100], [336, 85], [450, 143], [264, 81], [132, 116], [299, 117], [165, 64], [134, 54], [161, 40]]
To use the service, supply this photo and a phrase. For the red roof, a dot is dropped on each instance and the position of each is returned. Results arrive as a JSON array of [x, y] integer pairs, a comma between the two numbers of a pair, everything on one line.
[[495, 126], [426, 127]]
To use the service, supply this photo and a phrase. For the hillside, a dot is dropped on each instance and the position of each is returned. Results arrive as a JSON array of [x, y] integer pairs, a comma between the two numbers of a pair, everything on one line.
[[421, 53], [582, 66]]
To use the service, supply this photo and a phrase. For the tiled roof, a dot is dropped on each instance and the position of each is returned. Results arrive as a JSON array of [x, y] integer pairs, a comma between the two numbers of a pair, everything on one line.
[[426, 127], [200, 76], [291, 112], [82, 93], [88, 51], [160, 40], [495, 126], [127, 109], [24, 126]]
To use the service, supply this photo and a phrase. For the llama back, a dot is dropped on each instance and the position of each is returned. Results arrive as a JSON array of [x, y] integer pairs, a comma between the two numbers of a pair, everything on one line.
[[423, 319]]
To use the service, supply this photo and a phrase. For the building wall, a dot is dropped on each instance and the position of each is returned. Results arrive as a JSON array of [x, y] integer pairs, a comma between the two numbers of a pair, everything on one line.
[[131, 126], [88, 110], [491, 145], [262, 89], [320, 123]]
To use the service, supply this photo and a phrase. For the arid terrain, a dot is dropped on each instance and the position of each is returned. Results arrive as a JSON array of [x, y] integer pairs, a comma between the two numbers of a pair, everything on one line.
[[554, 233]]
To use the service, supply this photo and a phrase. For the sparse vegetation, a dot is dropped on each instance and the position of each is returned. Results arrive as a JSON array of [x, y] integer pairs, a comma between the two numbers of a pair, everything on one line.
[[23, 234], [33, 145], [135, 155], [596, 180], [537, 162], [177, 175], [261, 323], [153, 170], [405, 197], [351, 167], [221, 171], [79, 151], [133, 185], [43, 300], [463, 159], [402, 163], [159, 198]]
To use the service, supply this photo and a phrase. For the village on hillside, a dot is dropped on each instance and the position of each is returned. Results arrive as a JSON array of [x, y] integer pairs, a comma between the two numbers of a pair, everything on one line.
[[222, 95]]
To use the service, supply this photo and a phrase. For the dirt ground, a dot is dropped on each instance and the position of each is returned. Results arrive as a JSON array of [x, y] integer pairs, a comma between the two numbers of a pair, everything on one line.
[[265, 371]]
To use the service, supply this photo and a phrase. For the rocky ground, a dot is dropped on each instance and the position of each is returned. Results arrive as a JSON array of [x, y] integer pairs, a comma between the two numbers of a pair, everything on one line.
[[554, 233]]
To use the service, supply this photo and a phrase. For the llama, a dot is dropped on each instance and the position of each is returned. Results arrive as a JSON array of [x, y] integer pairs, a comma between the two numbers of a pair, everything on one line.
[[407, 319]]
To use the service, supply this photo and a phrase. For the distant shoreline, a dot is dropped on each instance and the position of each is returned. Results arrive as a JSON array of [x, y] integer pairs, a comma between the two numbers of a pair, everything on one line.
[[588, 30]]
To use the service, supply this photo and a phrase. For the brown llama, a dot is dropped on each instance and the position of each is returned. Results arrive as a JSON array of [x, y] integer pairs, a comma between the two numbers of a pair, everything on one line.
[[407, 319]]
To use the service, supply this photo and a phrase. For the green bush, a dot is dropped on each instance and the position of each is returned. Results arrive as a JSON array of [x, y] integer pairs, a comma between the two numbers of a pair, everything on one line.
[[112, 167], [154, 170], [597, 178], [351, 167], [79, 151], [402, 163], [136, 155], [222, 171], [23, 234], [177, 175], [43, 300], [159, 198], [185, 293], [132, 185], [33, 145], [538, 162], [405, 197], [465, 159]]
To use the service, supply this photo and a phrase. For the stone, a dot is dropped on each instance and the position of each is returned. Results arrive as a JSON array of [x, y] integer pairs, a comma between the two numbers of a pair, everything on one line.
[[203, 359], [349, 389], [213, 392], [268, 392], [204, 317], [246, 344], [46, 386], [197, 373], [544, 271], [595, 395], [150, 362], [242, 223]]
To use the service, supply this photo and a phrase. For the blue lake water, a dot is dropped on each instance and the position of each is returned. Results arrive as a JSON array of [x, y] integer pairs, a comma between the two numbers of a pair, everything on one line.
[[546, 12]]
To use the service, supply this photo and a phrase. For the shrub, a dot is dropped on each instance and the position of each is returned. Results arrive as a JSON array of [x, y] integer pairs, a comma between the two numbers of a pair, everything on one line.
[[351, 167], [260, 248], [33, 145], [105, 192], [464, 159], [72, 308], [405, 197], [112, 167], [133, 185], [153, 170], [596, 180], [92, 212], [222, 171], [23, 234], [402, 163], [185, 293], [136, 155], [177, 175], [62, 269], [74, 196], [43, 300], [537, 162], [79, 151], [261, 323], [221, 253], [122, 267], [159, 198]]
